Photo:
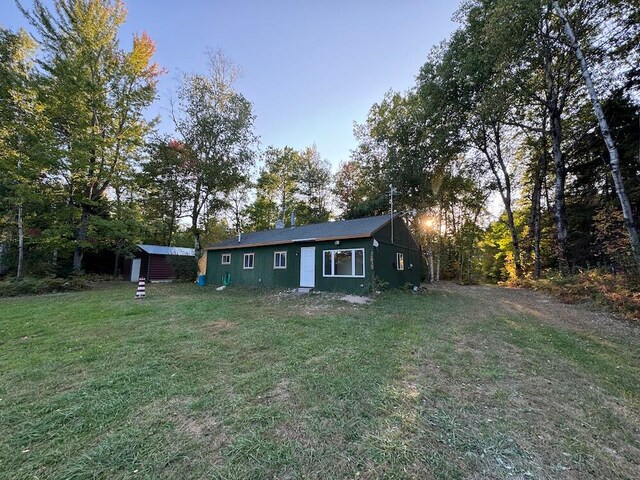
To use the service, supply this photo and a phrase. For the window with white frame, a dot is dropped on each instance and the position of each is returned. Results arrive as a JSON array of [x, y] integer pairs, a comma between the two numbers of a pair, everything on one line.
[[343, 263], [226, 259], [399, 261], [248, 261], [279, 259]]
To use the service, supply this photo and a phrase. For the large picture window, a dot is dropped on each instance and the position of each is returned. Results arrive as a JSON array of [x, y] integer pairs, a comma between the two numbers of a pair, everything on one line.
[[248, 261], [343, 263], [279, 259]]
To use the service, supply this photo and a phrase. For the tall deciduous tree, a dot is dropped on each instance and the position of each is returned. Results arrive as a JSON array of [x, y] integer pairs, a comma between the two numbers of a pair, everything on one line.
[[215, 122], [25, 142], [480, 105], [97, 93], [614, 159], [314, 190], [165, 179], [277, 187]]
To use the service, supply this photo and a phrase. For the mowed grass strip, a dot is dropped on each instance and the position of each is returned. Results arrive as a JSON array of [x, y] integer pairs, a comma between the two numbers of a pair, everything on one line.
[[194, 383]]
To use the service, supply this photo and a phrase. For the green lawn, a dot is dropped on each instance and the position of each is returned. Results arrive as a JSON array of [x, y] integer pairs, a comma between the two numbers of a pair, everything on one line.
[[194, 383]]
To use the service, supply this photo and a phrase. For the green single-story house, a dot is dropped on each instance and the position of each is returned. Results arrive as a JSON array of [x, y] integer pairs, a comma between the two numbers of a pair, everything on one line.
[[344, 256]]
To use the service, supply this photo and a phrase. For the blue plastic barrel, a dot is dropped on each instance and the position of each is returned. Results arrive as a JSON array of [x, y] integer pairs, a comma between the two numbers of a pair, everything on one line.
[[202, 280]]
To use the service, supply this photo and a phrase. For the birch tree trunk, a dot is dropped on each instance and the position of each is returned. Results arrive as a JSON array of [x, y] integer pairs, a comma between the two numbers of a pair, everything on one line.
[[614, 159], [431, 267], [20, 243], [559, 209]]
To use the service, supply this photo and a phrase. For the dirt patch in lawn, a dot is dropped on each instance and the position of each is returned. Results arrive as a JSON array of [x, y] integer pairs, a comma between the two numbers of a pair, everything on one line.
[[280, 393], [220, 326], [356, 299], [199, 427]]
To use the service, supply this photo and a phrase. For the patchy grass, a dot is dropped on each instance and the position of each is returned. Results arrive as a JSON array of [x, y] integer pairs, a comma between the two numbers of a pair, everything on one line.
[[193, 383], [619, 293]]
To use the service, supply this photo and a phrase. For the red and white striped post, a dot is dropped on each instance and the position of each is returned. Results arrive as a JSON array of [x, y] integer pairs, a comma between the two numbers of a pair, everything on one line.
[[141, 288]]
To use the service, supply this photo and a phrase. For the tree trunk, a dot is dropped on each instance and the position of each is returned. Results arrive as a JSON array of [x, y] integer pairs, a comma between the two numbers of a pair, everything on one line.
[[536, 202], [614, 159], [514, 239], [3, 249], [559, 208], [440, 244], [195, 216], [78, 251], [535, 222], [20, 243], [504, 187], [431, 272], [115, 264], [196, 242]]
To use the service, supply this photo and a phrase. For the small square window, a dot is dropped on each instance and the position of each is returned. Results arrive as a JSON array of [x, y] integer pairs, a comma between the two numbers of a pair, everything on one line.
[[248, 261], [226, 259], [399, 261], [280, 260]]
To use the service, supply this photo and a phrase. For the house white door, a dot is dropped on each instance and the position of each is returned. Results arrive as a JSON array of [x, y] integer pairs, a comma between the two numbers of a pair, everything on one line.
[[135, 269], [308, 267]]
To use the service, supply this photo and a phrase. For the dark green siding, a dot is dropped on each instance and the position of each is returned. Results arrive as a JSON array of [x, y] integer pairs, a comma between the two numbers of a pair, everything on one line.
[[378, 262], [385, 255], [339, 284], [263, 273]]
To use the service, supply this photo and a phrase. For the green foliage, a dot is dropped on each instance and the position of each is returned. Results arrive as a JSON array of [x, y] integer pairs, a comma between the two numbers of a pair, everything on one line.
[[38, 286], [186, 268], [495, 113], [165, 179], [291, 182], [215, 125], [379, 285], [96, 93]]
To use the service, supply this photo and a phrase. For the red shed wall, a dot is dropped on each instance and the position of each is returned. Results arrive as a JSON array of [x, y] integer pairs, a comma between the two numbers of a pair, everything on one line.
[[159, 268]]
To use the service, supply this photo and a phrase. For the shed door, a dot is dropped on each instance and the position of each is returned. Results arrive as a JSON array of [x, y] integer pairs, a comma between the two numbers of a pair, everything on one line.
[[135, 269], [308, 267]]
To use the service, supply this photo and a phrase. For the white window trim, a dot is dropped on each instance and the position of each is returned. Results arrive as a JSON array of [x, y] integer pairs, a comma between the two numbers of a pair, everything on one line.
[[222, 262], [399, 255], [353, 263], [244, 261], [282, 255]]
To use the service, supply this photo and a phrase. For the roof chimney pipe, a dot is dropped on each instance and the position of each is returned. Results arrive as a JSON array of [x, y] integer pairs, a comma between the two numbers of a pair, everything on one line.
[[293, 219]]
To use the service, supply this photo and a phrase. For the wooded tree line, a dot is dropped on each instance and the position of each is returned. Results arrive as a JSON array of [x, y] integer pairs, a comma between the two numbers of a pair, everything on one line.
[[529, 109], [86, 171], [533, 103]]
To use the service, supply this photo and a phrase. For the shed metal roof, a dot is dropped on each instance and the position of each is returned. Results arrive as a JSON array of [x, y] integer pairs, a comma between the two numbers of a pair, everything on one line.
[[357, 228], [160, 250]]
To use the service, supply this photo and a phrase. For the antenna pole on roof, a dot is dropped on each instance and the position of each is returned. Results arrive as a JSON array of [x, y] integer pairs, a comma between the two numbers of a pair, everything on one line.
[[392, 191]]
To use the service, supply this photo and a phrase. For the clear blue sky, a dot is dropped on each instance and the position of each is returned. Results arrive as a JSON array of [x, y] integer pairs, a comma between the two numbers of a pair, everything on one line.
[[311, 68]]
